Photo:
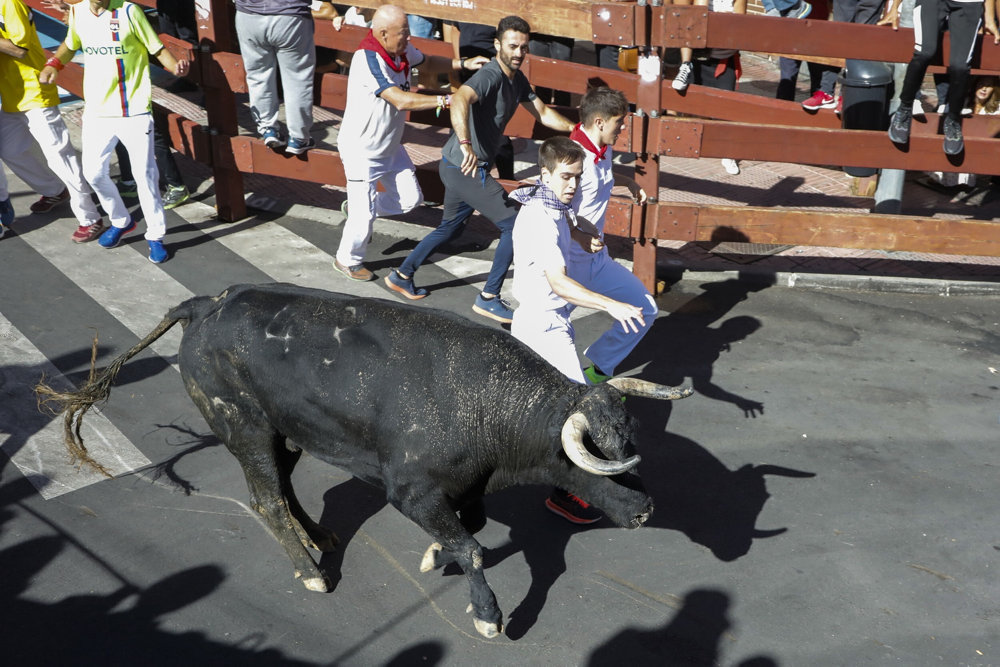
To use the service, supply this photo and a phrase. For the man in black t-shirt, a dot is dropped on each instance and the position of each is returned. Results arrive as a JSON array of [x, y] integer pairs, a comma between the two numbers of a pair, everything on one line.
[[480, 111]]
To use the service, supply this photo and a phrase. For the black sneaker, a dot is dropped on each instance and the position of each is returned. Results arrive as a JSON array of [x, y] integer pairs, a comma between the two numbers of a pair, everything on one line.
[[571, 508], [899, 128], [953, 142]]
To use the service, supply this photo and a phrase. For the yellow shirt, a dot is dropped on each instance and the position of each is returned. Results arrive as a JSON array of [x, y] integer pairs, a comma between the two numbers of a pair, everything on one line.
[[19, 85]]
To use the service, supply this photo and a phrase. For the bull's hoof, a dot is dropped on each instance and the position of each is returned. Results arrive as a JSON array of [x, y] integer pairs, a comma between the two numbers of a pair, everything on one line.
[[431, 559], [488, 629], [318, 584]]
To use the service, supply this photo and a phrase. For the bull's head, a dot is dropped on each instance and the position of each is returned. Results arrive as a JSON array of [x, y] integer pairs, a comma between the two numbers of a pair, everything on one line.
[[612, 431]]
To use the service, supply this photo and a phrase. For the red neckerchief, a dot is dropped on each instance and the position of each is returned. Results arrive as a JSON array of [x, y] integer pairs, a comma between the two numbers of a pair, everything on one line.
[[369, 43], [580, 137], [734, 61]]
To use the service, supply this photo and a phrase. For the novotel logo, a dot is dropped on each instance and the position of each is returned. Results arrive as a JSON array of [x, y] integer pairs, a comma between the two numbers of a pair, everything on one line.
[[105, 50]]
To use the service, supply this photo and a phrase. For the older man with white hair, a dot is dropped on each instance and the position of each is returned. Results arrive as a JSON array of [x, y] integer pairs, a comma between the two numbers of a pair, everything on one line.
[[378, 96]]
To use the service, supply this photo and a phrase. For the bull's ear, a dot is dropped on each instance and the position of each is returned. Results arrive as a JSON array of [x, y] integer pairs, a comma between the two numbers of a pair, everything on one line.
[[646, 389]]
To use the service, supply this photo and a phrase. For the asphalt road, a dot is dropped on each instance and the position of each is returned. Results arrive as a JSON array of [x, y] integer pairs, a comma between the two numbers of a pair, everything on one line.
[[828, 496]]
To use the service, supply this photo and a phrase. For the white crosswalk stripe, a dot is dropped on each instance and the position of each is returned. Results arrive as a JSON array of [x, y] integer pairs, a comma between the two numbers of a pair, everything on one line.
[[34, 441]]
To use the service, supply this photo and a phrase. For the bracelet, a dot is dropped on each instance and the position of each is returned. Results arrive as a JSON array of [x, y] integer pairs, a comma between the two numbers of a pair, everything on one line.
[[461, 63], [465, 142], [444, 102], [54, 62]]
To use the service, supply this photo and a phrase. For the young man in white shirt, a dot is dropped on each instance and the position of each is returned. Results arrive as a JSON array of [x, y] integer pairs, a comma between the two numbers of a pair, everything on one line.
[[544, 231], [602, 115]]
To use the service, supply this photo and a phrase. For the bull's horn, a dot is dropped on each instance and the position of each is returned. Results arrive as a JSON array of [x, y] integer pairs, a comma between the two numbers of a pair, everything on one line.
[[647, 389], [572, 442]]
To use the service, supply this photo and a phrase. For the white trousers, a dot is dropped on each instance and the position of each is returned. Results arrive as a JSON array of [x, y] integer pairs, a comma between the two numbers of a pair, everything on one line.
[[49, 130], [270, 44], [401, 194], [136, 134], [550, 334], [23, 156], [600, 273]]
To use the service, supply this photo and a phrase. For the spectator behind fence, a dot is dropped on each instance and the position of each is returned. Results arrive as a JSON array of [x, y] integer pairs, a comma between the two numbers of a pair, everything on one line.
[[25, 94], [985, 102], [378, 97], [846, 11], [276, 36], [480, 111], [117, 91], [963, 19], [788, 68], [720, 68]]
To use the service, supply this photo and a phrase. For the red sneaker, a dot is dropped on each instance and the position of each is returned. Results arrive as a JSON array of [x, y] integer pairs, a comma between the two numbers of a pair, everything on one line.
[[840, 106], [46, 204], [85, 234], [819, 100]]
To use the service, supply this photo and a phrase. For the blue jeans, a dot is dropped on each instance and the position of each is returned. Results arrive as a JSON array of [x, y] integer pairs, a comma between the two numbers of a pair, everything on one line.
[[464, 195], [420, 27]]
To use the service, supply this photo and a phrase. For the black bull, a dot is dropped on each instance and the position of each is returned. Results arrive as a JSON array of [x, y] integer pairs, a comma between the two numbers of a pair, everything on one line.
[[433, 408]]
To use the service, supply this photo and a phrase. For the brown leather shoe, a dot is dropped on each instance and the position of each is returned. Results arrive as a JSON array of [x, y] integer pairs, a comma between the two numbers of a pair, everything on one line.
[[357, 272]]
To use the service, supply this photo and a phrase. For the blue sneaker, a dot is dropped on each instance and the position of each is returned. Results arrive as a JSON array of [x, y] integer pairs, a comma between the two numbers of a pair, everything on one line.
[[157, 253], [300, 146], [6, 212], [495, 309], [113, 235], [271, 138], [404, 286]]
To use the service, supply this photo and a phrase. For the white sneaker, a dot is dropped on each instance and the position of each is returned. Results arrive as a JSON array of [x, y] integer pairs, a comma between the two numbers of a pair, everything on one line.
[[730, 165], [918, 108], [683, 77]]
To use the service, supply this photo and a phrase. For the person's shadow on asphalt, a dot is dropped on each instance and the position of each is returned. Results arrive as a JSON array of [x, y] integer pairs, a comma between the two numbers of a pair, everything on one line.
[[691, 638]]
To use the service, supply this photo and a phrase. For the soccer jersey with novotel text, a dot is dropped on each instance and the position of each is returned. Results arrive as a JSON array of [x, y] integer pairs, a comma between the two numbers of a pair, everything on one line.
[[116, 47]]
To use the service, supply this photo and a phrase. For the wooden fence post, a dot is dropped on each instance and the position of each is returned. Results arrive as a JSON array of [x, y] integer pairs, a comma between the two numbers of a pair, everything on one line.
[[216, 33]]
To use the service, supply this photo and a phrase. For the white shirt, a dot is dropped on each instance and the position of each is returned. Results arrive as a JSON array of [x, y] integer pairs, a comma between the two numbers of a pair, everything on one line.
[[372, 127], [541, 243], [591, 199]]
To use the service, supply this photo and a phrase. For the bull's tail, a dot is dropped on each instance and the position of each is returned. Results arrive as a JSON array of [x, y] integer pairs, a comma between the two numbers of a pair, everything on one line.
[[73, 405]]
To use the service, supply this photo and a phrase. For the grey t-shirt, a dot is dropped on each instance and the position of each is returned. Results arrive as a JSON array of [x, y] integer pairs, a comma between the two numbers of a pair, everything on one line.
[[499, 98], [274, 7]]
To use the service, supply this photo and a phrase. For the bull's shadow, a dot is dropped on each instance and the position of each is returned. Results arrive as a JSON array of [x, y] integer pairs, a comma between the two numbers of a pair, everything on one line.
[[696, 494]]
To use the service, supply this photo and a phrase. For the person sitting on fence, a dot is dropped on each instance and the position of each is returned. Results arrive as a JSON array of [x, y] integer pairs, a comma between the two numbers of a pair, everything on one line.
[[479, 113], [985, 102], [117, 42], [964, 19], [277, 35], [378, 97]]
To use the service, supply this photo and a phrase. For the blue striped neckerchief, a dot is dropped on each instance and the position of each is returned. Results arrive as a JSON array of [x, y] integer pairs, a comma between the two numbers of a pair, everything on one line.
[[538, 191]]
